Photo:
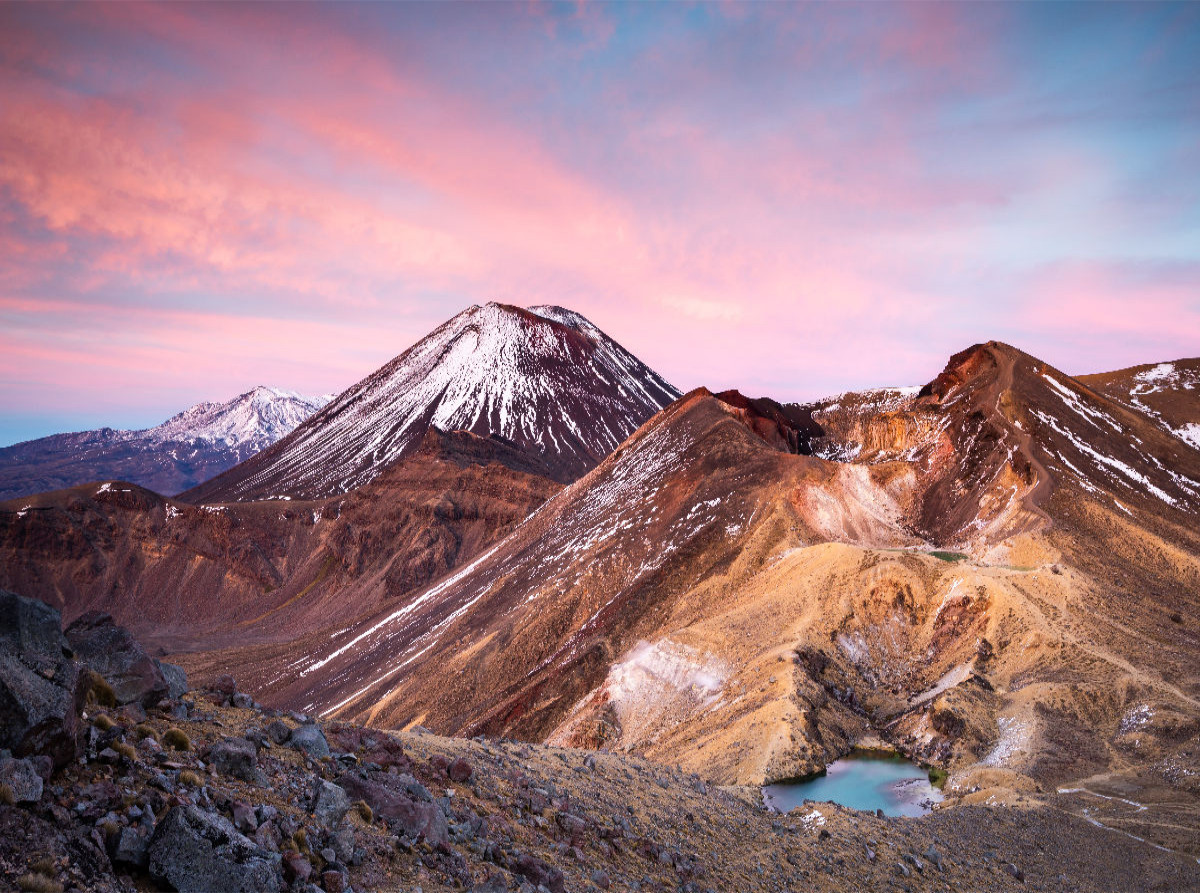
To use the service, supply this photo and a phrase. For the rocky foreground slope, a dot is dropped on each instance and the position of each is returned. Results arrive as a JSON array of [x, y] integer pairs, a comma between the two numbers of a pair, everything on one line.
[[117, 778], [187, 448]]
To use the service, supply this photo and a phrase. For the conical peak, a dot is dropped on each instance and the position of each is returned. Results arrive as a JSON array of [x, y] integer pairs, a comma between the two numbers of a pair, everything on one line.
[[548, 382]]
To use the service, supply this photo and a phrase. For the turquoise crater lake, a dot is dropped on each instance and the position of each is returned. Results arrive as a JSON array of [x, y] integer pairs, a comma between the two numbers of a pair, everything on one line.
[[892, 784]]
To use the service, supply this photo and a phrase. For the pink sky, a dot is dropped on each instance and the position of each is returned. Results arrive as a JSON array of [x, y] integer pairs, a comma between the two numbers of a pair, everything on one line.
[[790, 200]]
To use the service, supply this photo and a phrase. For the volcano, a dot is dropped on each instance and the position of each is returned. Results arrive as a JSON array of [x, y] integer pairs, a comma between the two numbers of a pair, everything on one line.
[[545, 381]]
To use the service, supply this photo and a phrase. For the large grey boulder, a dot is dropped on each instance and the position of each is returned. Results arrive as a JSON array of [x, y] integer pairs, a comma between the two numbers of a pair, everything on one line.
[[309, 739], [235, 756], [197, 852], [115, 654], [41, 688], [176, 678]]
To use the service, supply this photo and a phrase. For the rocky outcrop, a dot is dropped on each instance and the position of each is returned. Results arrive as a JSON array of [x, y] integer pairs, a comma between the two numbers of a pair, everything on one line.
[[111, 651], [41, 690], [196, 852], [403, 802], [21, 777], [309, 739]]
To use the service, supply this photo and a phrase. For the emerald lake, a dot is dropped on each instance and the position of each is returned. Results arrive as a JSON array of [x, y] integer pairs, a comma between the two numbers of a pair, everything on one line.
[[868, 783]]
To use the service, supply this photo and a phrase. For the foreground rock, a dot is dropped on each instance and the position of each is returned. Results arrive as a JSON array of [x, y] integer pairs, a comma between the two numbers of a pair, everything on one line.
[[401, 801], [24, 783], [196, 852], [235, 756], [111, 651], [41, 691]]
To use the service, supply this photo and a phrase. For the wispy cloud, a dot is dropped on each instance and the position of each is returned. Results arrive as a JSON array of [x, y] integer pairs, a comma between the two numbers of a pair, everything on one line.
[[788, 199]]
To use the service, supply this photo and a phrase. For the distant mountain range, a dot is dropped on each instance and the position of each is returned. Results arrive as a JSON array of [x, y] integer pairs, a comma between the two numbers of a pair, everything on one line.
[[186, 449]]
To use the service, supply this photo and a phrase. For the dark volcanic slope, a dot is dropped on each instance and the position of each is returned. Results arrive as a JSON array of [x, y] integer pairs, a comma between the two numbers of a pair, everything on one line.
[[188, 448], [544, 380], [208, 576]]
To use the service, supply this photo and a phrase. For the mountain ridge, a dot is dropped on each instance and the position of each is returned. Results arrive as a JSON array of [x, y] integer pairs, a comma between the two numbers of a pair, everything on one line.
[[191, 446]]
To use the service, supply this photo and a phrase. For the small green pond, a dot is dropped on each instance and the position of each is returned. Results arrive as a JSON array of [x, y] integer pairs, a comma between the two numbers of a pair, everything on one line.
[[865, 782]]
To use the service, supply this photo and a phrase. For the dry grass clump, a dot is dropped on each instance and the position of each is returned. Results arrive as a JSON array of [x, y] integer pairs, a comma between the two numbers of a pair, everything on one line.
[[364, 811], [189, 778], [103, 722], [99, 691], [38, 883], [7, 795], [128, 751], [43, 865], [176, 739], [145, 730]]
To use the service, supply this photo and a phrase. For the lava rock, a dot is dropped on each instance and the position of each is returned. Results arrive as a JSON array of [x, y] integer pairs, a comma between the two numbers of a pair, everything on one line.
[[329, 803], [309, 739], [176, 678], [112, 651], [460, 771], [195, 852], [41, 689], [22, 778], [235, 756], [333, 881], [398, 800]]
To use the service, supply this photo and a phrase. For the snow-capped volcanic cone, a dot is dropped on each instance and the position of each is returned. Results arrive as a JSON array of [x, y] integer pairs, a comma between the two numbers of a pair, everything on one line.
[[544, 380], [184, 450]]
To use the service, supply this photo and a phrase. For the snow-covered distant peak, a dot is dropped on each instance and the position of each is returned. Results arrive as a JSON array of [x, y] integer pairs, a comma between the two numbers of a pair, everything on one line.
[[256, 419]]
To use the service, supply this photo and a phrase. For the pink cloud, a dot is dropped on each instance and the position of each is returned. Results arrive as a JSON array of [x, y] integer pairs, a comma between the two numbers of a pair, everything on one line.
[[787, 202]]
